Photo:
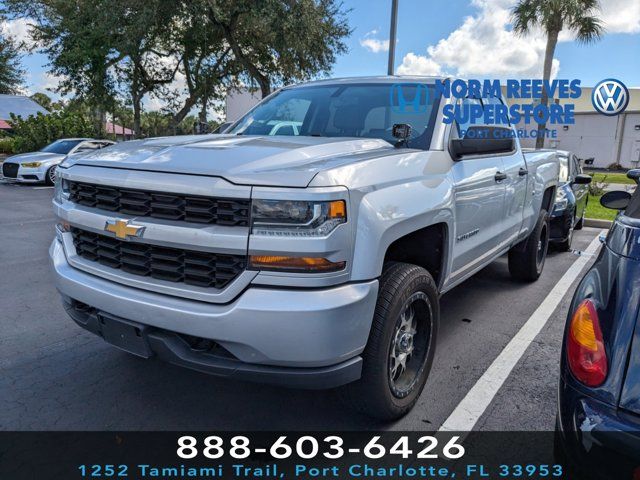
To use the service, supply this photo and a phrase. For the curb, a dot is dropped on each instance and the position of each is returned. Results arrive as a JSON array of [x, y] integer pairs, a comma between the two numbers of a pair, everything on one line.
[[594, 222]]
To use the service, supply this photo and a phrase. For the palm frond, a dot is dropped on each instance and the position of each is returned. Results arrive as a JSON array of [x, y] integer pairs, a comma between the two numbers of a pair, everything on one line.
[[525, 15], [588, 29]]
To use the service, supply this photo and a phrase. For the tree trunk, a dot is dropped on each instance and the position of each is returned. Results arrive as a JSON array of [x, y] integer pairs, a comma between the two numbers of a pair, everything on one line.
[[263, 81], [136, 115], [183, 112], [552, 41], [202, 115]]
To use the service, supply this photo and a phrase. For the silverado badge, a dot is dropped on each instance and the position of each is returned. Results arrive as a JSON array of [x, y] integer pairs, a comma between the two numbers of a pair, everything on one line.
[[122, 229]]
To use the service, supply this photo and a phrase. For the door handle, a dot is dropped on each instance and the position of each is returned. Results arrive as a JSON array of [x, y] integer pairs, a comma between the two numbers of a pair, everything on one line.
[[523, 171], [501, 176]]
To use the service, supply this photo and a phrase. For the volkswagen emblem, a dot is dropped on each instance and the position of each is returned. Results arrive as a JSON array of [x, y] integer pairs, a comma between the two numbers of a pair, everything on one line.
[[610, 97]]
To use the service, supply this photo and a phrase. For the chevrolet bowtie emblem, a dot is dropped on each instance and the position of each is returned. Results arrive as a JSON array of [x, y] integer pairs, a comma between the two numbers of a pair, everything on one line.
[[122, 229]]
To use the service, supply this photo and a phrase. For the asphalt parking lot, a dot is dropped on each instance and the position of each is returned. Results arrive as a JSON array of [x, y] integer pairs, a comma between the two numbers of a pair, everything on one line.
[[55, 376]]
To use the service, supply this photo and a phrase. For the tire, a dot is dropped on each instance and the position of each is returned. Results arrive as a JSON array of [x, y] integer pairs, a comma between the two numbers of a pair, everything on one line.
[[526, 260], [50, 176], [565, 245], [580, 223], [386, 390]]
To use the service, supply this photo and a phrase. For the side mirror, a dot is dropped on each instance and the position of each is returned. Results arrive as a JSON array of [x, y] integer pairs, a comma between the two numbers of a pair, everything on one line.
[[582, 179], [616, 200], [634, 175], [482, 140]]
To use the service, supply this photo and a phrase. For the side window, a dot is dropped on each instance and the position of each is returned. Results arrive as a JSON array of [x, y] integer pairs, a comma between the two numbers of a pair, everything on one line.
[[463, 126], [577, 168], [498, 101]]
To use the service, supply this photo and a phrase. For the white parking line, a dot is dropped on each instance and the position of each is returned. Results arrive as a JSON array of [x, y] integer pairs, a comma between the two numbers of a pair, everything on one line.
[[42, 188], [473, 405]]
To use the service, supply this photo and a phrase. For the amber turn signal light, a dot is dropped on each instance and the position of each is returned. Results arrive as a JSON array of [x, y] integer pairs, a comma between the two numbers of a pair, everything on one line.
[[294, 264], [337, 209]]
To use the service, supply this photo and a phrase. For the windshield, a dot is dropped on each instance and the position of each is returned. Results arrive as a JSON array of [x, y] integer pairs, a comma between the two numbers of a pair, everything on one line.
[[353, 110], [563, 175], [61, 146]]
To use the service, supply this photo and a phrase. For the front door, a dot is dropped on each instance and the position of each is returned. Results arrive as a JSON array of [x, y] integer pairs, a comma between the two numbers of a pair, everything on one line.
[[479, 202]]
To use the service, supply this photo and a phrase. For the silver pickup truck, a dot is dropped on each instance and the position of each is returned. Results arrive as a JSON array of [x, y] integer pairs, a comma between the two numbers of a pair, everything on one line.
[[307, 246]]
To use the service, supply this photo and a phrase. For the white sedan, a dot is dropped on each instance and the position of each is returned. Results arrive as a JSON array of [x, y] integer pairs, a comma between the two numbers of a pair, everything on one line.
[[41, 166]]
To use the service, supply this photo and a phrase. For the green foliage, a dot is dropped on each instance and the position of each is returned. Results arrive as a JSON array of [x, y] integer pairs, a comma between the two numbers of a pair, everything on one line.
[[115, 53], [620, 178], [45, 102], [35, 132], [598, 186], [597, 211], [578, 16], [11, 72], [6, 145]]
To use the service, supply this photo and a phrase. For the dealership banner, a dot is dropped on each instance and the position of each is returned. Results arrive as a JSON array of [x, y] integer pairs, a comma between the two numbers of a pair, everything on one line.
[[291, 455]]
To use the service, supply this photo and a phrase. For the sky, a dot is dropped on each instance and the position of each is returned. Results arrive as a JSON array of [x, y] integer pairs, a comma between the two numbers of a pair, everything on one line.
[[470, 38]]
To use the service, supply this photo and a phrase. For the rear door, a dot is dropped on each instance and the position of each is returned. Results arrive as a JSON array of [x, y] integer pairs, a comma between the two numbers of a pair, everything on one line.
[[515, 167], [479, 199]]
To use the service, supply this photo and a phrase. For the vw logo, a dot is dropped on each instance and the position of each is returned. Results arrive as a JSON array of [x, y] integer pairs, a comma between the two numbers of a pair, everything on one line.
[[409, 98], [610, 97]]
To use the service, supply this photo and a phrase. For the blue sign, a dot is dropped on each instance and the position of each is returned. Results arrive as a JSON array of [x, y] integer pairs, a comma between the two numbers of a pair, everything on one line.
[[409, 98], [610, 97]]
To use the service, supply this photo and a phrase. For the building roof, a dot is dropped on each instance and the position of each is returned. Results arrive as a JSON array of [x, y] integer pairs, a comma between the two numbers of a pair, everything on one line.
[[117, 129], [18, 105], [583, 103], [4, 125]]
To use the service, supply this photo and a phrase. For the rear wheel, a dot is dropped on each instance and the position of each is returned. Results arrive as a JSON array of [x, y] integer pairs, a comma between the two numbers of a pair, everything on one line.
[[526, 260], [401, 345], [50, 176]]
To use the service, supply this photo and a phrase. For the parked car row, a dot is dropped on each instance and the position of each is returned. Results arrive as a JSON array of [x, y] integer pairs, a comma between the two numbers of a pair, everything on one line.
[[41, 166]]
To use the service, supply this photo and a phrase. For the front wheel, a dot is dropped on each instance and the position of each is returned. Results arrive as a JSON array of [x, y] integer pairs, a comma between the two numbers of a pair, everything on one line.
[[401, 345], [50, 176], [526, 260], [580, 223], [565, 245]]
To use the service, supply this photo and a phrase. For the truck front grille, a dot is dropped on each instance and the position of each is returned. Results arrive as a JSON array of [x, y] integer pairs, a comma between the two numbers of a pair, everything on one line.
[[201, 269], [170, 206], [10, 170]]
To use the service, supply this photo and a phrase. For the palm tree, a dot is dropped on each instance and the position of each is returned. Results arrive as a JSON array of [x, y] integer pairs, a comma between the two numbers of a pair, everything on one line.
[[577, 16]]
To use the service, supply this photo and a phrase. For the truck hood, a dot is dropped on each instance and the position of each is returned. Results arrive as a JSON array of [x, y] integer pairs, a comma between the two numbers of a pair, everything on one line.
[[35, 157], [250, 160]]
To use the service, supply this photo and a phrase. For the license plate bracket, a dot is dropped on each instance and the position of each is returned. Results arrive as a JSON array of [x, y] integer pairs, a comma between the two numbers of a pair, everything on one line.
[[125, 335]]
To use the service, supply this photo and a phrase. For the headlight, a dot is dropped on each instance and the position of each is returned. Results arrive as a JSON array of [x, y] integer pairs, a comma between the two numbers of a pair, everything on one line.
[[561, 200], [31, 164], [61, 191], [561, 204], [297, 217]]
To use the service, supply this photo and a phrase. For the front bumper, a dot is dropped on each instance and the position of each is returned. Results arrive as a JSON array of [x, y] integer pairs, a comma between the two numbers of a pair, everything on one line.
[[29, 175], [600, 440], [264, 329]]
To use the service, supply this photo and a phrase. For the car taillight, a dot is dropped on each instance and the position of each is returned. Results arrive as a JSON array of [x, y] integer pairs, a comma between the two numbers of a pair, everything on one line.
[[585, 347]]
